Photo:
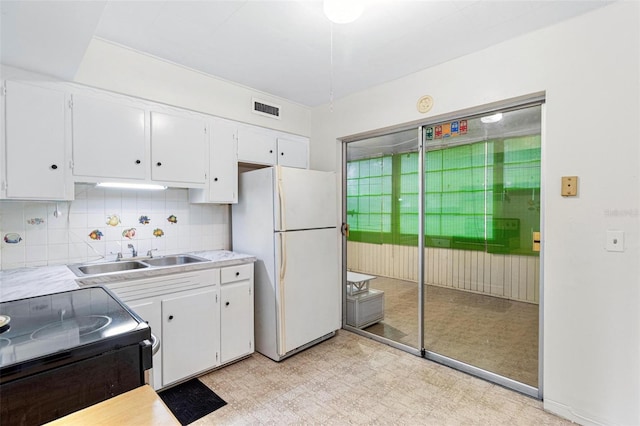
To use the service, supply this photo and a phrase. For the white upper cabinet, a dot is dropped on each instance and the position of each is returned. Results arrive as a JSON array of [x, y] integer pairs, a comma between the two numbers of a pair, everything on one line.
[[178, 148], [256, 146], [36, 143], [293, 152], [108, 139], [223, 166], [270, 147]]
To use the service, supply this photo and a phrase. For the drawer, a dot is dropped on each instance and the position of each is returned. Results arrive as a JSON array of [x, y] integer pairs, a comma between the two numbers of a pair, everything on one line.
[[236, 273]]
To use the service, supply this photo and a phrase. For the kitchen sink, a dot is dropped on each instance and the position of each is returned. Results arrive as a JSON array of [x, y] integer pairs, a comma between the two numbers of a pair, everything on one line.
[[181, 259], [104, 268], [83, 270]]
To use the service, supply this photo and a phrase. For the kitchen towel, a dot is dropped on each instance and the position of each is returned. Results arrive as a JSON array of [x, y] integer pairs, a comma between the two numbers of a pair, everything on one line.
[[191, 400]]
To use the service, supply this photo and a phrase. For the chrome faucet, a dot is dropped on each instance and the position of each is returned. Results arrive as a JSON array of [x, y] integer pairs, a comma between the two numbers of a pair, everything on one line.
[[134, 252], [150, 252]]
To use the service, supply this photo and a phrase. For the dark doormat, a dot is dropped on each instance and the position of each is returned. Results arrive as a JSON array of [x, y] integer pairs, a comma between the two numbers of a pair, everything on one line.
[[191, 400]]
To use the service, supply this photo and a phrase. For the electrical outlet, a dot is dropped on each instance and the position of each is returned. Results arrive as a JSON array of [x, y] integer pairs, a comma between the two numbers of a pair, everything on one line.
[[569, 186], [615, 241]]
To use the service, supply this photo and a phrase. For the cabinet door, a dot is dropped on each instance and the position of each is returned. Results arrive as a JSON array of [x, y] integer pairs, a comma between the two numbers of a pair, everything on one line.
[[256, 146], [150, 311], [108, 139], [178, 148], [292, 153], [236, 320], [223, 163], [35, 143], [190, 335]]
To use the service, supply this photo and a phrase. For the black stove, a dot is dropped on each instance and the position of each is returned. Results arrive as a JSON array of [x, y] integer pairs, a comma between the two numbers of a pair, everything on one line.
[[84, 345]]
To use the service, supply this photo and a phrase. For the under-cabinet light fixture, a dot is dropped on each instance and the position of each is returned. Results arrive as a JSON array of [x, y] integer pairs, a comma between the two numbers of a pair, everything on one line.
[[119, 185], [492, 118]]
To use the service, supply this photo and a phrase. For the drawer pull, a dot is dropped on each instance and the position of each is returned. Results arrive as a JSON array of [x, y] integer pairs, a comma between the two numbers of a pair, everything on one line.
[[237, 274], [226, 304], [170, 317]]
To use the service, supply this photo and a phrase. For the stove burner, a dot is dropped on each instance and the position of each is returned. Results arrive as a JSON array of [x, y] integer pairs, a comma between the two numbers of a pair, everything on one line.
[[81, 325]]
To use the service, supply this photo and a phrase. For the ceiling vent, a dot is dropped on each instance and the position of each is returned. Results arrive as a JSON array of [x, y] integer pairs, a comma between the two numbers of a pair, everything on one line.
[[263, 108]]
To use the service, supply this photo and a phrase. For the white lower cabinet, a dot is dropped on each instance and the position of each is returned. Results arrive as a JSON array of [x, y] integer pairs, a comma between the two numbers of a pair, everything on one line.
[[150, 311], [185, 311], [190, 338], [236, 312]]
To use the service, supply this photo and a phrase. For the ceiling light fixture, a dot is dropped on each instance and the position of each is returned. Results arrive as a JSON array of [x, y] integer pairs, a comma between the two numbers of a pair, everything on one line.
[[119, 185], [492, 118], [343, 11]]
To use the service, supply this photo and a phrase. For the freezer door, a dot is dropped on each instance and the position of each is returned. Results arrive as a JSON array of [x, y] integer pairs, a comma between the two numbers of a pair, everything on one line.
[[308, 286], [304, 199]]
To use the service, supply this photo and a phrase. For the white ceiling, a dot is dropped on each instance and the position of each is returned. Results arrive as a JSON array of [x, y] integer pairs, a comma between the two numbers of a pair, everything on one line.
[[278, 47]]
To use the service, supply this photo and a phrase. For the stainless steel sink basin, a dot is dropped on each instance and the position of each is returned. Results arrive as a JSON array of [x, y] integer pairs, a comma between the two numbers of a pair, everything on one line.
[[83, 270], [181, 259], [104, 268]]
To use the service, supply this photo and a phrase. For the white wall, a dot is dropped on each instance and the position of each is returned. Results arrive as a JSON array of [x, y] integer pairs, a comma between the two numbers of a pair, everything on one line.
[[119, 69], [589, 69]]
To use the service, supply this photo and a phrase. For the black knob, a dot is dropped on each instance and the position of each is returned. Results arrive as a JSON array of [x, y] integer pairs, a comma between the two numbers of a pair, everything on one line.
[[282, 153], [226, 304], [237, 274], [170, 317], [158, 164], [270, 151], [138, 161], [215, 179], [54, 166]]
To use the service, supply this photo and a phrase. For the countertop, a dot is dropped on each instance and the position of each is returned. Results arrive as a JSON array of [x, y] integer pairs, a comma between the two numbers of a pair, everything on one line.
[[29, 282], [140, 406]]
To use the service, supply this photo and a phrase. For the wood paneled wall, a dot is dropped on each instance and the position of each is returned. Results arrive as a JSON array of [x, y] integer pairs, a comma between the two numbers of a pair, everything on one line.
[[508, 276]]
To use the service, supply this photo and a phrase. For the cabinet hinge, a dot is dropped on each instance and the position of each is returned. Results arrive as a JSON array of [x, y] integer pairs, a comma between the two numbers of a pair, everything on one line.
[[216, 356], [4, 185], [249, 344], [216, 298], [71, 164], [4, 90], [71, 103]]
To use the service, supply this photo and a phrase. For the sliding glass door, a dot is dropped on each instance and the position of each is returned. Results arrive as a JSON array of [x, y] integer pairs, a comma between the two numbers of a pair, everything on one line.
[[382, 201], [470, 297]]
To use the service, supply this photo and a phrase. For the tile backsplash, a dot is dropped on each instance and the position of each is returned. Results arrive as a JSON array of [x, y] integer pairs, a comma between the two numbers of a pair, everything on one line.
[[100, 223]]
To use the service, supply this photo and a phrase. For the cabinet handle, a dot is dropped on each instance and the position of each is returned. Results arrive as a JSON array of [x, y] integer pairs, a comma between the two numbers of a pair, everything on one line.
[[215, 179], [282, 153], [158, 164], [170, 317], [54, 166], [270, 151], [138, 161], [237, 274], [226, 304]]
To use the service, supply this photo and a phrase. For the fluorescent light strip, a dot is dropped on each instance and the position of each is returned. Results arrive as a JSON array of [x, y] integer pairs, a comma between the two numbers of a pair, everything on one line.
[[145, 186]]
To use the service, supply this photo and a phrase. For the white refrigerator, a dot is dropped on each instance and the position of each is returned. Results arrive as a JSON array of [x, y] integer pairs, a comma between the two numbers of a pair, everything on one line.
[[287, 218]]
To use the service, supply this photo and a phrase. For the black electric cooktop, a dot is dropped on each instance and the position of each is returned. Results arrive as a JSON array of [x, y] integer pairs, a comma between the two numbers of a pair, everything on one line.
[[72, 324]]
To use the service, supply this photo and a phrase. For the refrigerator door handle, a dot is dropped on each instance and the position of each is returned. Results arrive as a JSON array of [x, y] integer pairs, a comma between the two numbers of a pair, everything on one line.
[[281, 198], [282, 343]]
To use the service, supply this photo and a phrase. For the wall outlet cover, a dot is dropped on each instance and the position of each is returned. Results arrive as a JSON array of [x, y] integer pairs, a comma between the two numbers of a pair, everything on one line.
[[615, 241], [569, 186]]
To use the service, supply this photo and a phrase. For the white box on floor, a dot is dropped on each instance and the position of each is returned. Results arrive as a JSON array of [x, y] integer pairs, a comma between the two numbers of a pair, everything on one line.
[[365, 309]]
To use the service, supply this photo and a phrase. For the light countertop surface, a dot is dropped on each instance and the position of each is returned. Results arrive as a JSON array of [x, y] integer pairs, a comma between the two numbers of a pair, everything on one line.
[[141, 406], [36, 281]]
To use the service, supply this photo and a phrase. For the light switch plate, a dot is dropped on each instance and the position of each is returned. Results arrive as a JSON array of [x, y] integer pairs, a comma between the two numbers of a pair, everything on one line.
[[615, 241], [569, 186]]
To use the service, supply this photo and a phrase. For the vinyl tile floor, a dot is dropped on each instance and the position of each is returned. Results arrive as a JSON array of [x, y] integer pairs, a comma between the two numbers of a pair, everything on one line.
[[350, 379], [492, 333]]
